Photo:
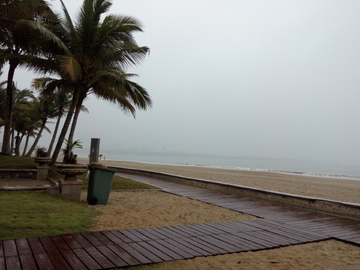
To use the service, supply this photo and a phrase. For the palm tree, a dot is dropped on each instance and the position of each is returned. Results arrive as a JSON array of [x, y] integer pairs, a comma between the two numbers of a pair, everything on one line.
[[44, 110], [62, 101], [20, 116], [20, 45], [98, 52]]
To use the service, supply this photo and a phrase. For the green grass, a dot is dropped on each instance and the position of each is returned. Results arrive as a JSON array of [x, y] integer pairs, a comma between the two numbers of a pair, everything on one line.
[[33, 213], [13, 162]]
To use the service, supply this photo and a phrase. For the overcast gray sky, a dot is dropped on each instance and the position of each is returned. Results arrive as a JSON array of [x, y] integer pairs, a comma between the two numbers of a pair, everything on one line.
[[253, 78]]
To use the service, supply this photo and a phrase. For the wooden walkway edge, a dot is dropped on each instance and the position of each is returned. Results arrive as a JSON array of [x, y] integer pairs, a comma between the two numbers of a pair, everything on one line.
[[277, 226]]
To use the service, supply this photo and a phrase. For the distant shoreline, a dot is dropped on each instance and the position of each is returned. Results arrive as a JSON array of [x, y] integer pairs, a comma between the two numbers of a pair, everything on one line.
[[302, 173]]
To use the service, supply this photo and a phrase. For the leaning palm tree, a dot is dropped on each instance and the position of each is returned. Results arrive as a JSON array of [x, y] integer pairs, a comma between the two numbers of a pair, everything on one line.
[[44, 110], [98, 52]]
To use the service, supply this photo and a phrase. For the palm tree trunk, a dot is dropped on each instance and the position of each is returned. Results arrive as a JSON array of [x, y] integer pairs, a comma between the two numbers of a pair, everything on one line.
[[65, 126], [17, 144], [32, 148], [8, 109], [74, 121], [54, 135], [12, 141], [26, 144]]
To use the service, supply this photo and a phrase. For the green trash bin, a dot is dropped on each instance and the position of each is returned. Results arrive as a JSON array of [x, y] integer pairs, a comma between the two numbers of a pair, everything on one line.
[[99, 187]]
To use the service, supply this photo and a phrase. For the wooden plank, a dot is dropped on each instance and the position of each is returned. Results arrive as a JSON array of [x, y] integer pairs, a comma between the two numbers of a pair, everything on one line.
[[203, 230], [81, 240], [2, 263], [157, 252], [116, 260], [112, 237], [99, 257], [141, 236], [168, 252], [121, 236], [134, 253], [193, 250], [10, 248], [177, 249], [36, 246], [23, 246], [43, 261], [197, 244], [186, 229], [276, 239], [210, 229], [13, 263], [174, 232], [27, 262], [241, 243], [104, 240], [59, 242], [148, 254], [124, 255], [1, 249], [86, 259], [130, 235], [72, 259], [214, 248], [222, 227], [92, 239], [54, 254], [70, 241], [219, 243], [48, 244], [150, 233], [257, 240], [165, 233], [58, 261]]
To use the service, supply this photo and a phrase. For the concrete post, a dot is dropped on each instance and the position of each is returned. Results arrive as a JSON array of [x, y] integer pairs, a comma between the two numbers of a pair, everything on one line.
[[42, 172], [94, 150]]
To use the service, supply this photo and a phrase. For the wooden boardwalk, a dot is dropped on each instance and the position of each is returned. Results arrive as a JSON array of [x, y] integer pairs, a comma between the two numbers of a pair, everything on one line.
[[277, 226]]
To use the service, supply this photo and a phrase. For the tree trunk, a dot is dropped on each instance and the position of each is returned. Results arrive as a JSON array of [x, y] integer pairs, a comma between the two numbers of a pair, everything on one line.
[[8, 109], [17, 144], [65, 126], [74, 121], [26, 144], [12, 141], [36, 140], [54, 135]]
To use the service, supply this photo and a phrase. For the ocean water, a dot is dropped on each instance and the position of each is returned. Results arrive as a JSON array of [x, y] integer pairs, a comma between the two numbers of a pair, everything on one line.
[[306, 167]]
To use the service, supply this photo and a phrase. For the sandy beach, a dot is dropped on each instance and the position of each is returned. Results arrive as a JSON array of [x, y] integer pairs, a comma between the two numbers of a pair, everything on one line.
[[136, 209], [326, 188]]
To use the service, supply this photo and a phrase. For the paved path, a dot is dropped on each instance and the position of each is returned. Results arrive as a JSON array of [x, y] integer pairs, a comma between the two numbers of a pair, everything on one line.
[[277, 226]]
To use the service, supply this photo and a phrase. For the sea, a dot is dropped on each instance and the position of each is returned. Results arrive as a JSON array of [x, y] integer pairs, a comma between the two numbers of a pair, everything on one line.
[[292, 166]]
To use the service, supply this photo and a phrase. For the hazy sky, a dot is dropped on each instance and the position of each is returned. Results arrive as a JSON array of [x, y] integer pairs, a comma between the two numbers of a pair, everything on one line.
[[253, 78]]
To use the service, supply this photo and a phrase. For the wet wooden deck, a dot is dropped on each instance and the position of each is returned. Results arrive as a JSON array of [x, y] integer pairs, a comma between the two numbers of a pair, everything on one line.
[[277, 226]]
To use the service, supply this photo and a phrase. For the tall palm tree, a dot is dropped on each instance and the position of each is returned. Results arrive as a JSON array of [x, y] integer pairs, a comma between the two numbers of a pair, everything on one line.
[[20, 45], [98, 52]]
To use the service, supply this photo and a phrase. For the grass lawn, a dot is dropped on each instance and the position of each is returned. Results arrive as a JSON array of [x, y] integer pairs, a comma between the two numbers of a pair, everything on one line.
[[34, 213], [13, 162]]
